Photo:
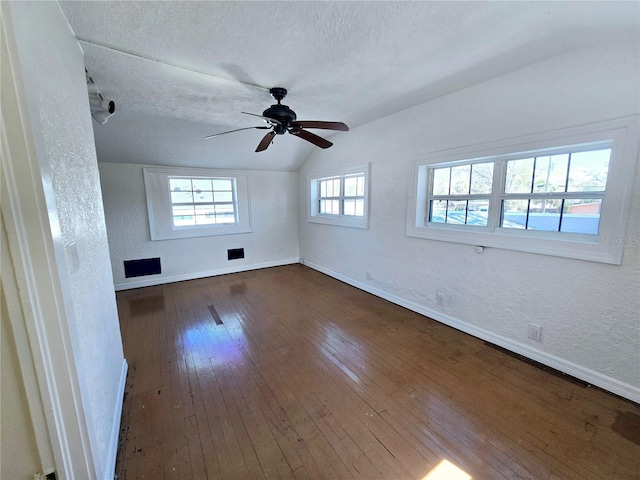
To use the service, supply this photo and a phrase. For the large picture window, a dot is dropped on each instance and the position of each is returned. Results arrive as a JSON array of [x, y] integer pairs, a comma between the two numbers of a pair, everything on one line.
[[196, 202], [563, 193]]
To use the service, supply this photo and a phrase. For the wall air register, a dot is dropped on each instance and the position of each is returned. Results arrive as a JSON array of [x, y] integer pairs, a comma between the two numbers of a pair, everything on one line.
[[235, 253], [142, 267]]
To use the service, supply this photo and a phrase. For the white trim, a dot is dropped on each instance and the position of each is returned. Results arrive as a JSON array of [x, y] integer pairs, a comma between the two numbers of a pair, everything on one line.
[[210, 273], [159, 203], [110, 464], [314, 216], [595, 378], [604, 247]]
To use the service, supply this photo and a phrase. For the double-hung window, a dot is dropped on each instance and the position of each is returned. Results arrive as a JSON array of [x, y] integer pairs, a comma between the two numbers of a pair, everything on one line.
[[189, 202], [342, 195], [340, 198], [565, 193]]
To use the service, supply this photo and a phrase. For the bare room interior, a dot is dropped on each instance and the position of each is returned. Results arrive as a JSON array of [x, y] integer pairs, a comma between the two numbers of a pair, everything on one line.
[[438, 279]]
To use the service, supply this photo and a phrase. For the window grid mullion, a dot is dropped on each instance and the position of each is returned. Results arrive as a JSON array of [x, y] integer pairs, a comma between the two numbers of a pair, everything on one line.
[[553, 195]]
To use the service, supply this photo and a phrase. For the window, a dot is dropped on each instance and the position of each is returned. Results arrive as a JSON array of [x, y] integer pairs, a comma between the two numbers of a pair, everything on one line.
[[555, 193], [340, 198], [196, 202], [202, 201], [558, 194], [460, 194]]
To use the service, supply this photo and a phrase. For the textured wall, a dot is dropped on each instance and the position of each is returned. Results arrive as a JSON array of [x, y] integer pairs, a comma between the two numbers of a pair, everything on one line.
[[53, 71], [588, 311], [274, 240]]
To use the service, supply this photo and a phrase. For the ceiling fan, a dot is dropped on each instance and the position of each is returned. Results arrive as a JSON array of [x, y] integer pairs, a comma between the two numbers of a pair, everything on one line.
[[282, 119]]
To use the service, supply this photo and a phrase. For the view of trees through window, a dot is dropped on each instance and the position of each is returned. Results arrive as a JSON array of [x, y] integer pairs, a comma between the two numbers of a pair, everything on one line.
[[560, 193]]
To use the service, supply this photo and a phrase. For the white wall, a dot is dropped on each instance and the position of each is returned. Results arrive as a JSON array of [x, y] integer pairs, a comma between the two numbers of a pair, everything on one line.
[[274, 240], [588, 311], [52, 70]]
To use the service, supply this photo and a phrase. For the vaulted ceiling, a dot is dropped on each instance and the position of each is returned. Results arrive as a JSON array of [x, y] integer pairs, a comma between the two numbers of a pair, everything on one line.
[[179, 71]]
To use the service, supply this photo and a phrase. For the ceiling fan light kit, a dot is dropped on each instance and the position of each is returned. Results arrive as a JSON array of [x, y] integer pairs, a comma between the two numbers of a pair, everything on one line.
[[282, 120]]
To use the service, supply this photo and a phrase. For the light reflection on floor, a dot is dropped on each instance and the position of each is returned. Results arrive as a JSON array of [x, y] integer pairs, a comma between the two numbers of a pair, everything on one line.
[[446, 470]]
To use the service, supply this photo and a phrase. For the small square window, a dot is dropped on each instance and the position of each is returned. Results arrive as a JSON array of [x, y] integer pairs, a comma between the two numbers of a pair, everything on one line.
[[340, 198]]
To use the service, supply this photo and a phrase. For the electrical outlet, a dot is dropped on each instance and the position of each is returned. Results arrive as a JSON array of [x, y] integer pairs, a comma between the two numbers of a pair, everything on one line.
[[535, 332], [440, 299], [369, 276]]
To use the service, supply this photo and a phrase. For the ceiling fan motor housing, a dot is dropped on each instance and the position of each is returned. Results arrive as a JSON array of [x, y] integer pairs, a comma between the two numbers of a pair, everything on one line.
[[282, 114]]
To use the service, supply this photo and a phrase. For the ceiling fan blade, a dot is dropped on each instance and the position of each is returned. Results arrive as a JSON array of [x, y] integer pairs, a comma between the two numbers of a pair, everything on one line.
[[265, 142], [311, 137], [318, 124], [236, 130], [272, 121]]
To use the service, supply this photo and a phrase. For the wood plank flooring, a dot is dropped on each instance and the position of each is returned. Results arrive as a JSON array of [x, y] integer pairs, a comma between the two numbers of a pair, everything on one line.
[[285, 373]]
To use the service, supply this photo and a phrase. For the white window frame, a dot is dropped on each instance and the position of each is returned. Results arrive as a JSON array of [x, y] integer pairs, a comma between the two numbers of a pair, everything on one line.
[[156, 181], [620, 135], [313, 213]]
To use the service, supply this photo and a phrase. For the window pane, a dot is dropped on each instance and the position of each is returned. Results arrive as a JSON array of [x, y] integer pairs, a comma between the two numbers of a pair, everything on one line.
[[181, 197], [551, 173], [183, 221], [460, 179], [202, 184], [588, 171], [481, 178], [204, 210], [205, 219], [544, 215], [182, 212], [223, 197], [220, 184], [328, 188], [581, 216], [202, 197], [335, 207], [323, 188], [441, 181], [179, 184], [349, 207], [225, 218], [478, 212], [514, 213], [360, 207], [350, 186], [224, 209], [360, 191], [438, 211], [456, 211], [519, 175]]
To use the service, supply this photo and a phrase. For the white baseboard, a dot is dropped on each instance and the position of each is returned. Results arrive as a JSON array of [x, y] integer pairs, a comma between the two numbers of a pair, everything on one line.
[[110, 465], [590, 376], [160, 280]]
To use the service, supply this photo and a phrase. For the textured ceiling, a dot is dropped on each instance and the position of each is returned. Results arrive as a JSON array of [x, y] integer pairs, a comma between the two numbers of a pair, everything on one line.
[[179, 71]]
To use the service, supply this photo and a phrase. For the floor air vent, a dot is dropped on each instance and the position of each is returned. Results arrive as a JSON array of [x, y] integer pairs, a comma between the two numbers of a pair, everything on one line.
[[214, 314]]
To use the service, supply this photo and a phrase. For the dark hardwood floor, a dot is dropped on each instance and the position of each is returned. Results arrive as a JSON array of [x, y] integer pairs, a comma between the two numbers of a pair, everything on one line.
[[287, 373]]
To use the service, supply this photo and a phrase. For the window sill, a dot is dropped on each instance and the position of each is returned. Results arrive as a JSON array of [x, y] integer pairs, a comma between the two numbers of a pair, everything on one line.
[[591, 248], [340, 221]]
